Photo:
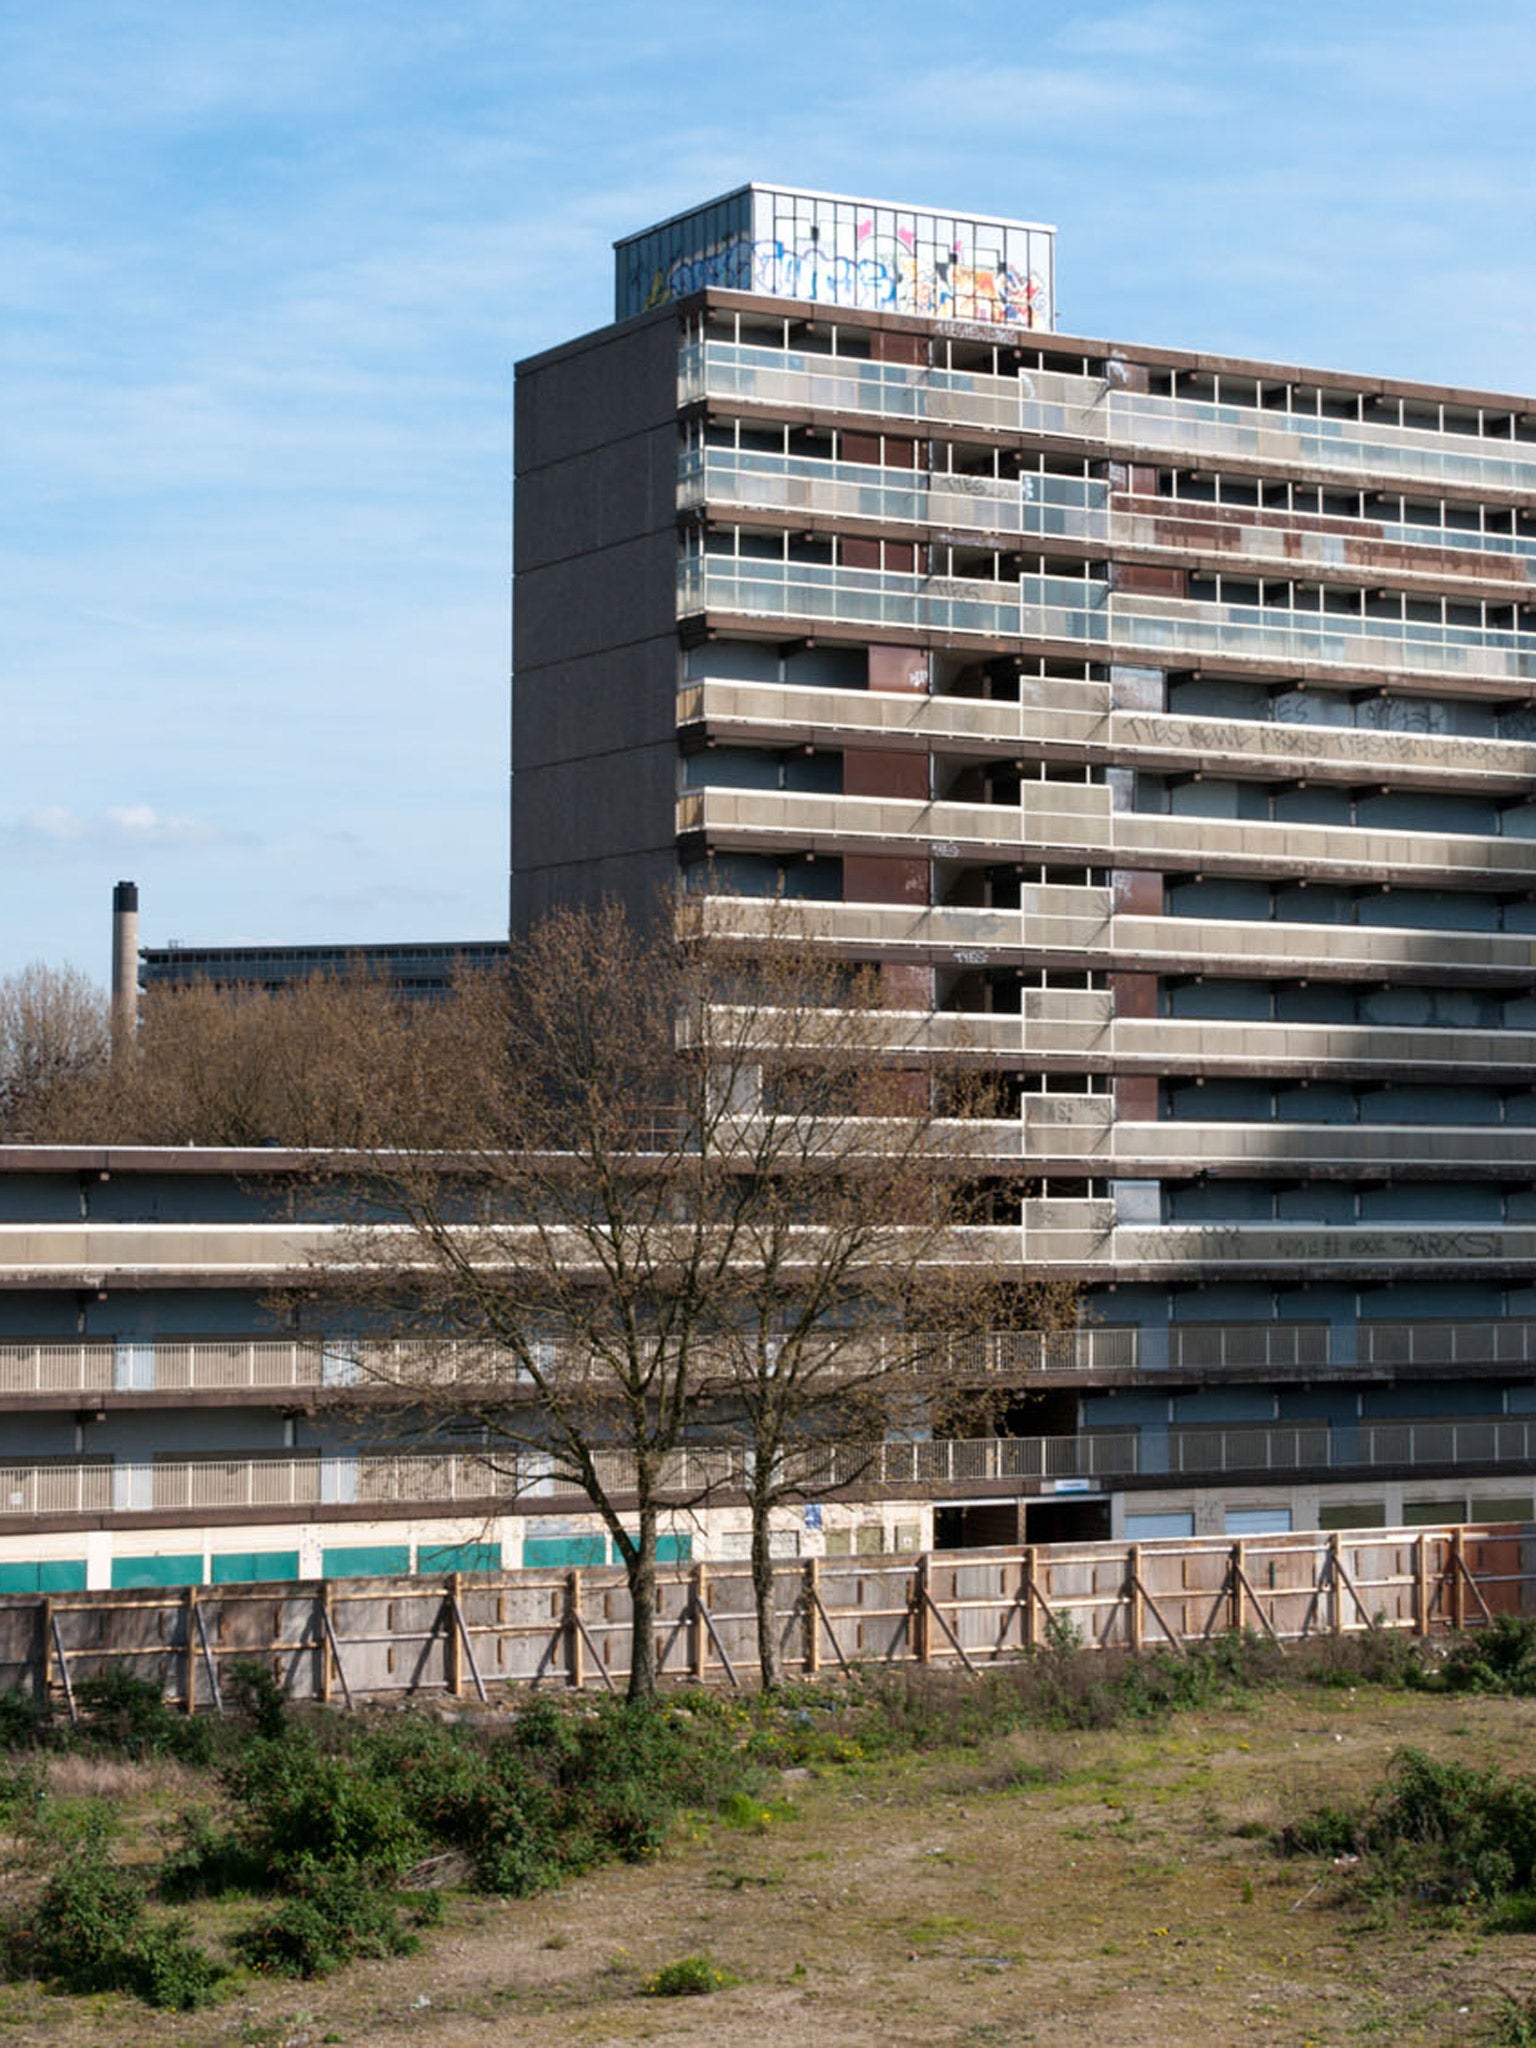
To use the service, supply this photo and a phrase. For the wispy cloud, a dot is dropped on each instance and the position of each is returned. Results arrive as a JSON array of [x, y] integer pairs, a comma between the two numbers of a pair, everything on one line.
[[54, 832]]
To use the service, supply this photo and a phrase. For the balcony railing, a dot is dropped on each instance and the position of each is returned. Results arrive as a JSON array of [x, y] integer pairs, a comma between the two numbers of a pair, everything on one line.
[[1077, 720], [1080, 928], [1076, 820], [1087, 1237], [1104, 1352], [401, 1485], [1058, 1130], [1080, 612], [1076, 1029], [1042, 507], [1102, 415]]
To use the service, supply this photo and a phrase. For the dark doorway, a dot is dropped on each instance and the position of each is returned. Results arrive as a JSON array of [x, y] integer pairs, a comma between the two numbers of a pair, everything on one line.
[[991, 1527], [1067, 1521]]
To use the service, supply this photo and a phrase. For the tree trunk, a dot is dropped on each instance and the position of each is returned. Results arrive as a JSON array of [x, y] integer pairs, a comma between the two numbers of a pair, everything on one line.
[[641, 1572], [763, 1595]]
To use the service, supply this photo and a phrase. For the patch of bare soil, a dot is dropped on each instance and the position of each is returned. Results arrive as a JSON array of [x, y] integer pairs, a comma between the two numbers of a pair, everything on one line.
[[1052, 1889]]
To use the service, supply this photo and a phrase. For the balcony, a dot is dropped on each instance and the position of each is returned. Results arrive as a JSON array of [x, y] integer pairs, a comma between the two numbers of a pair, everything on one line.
[[1098, 414], [1075, 1030], [1084, 1238], [1061, 1134], [1073, 823], [1060, 719], [1079, 928], [1086, 617], [1082, 512], [401, 1485]]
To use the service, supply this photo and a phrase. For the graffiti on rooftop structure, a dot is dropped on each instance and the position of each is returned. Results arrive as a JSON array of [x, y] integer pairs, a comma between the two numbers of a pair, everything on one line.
[[832, 252]]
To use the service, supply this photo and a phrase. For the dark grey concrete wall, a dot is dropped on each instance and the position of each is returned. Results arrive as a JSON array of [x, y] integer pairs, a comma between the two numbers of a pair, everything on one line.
[[595, 654]]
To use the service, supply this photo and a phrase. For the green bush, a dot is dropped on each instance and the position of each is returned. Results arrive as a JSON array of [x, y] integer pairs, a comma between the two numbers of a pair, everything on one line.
[[1498, 1659], [91, 1931], [332, 1917], [297, 1807], [24, 1719], [131, 1715], [257, 1697], [1433, 1831]]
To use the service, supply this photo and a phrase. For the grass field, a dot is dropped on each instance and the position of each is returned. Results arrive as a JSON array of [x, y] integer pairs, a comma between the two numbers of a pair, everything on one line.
[[1050, 1886]]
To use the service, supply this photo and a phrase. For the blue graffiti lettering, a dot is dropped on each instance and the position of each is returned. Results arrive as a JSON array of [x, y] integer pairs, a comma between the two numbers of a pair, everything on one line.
[[890, 279]]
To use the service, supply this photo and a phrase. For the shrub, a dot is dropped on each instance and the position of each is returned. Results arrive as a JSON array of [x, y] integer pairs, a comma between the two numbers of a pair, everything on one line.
[[332, 1917], [130, 1714], [688, 1977], [299, 1807], [1498, 1659], [1434, 1830], [24, 1719], [257, 1697], [91, 1932]]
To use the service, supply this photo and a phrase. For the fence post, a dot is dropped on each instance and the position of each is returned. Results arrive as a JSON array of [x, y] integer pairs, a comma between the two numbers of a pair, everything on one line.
[[44, 1651], [698, 1628], [1029, 1594], [453, 1654], [574, 1644], [323, 1606], [1420, 1585], [1238, 1567], [189, 1650], [1458, 1581], [810, 1619], [1335, 1583], [922, 1640], [1137, 1617]]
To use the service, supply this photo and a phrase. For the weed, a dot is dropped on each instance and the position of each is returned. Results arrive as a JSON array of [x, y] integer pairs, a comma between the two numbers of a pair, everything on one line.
[[1515, 2026], [688, 1977]]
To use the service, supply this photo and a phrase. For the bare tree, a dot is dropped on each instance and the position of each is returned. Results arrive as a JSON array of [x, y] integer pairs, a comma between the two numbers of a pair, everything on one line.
[[55, 1043], [329, 1061], [690, 1189]]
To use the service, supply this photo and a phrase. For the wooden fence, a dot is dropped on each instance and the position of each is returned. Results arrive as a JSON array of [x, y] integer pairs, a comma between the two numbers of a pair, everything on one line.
[[343, 1640]]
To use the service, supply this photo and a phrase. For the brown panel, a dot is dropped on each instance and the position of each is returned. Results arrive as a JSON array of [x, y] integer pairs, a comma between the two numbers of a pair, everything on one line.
[[906, 988], [869, 771], [1143, 480], [859, 448], [1142, 576], [859, 554], [1138, 891], [900, 454], [1136, 1098], [1134, 995], [898, 348], [899, 668], [884, 878], [902, 555]]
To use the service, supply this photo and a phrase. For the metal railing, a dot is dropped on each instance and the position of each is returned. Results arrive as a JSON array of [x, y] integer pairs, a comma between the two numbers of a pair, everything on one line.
[[1104, 1351], [1086, 612], [1102, 414], [1080, 927], [1087, 1236], [403, 1482], [1045, 507]]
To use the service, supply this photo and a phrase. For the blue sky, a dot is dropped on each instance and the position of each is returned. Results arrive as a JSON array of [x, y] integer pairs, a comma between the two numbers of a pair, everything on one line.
[[265, 267]]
